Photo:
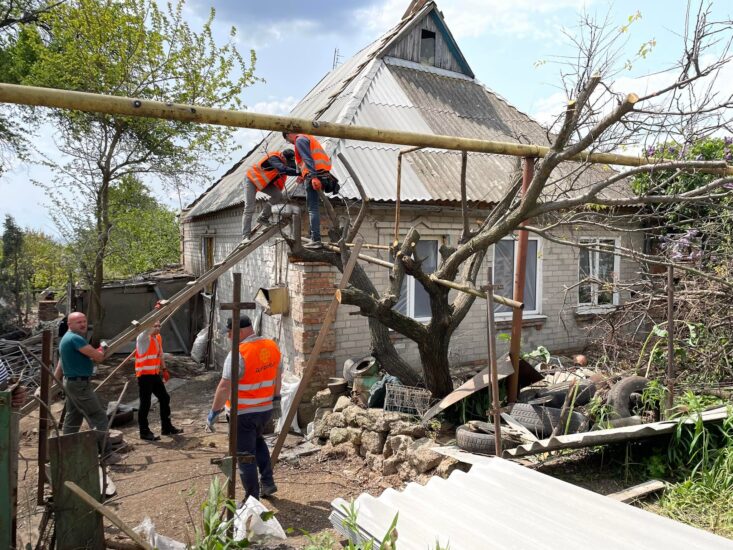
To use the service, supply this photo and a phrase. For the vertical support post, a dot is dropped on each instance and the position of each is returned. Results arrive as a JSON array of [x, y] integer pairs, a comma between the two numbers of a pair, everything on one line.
[[46, 359], [74, 458], [464, 199], [397, 201], [210, 332], [234, 395], [670, 340], [493, 367], [8, 471], [520, 270]]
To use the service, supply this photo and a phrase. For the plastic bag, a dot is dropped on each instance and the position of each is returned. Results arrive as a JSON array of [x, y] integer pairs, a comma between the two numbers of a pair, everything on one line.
[[289, 386], [198, 350], [248, 523], [147, 531]]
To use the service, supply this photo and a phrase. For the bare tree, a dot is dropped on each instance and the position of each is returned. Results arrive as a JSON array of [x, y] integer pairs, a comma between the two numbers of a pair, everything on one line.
[[564, 192]]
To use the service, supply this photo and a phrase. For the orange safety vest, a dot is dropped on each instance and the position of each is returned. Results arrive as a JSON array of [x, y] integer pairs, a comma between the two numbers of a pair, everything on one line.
[[150, 362], [320, 158], [261, 177], [256, 387]]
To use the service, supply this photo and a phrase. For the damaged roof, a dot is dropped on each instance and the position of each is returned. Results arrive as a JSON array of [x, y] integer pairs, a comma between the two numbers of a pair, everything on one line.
[[375, 89]]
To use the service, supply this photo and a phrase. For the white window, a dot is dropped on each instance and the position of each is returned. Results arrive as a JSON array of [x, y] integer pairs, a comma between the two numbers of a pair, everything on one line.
[[414, 300], [505, 262], [598, 270]]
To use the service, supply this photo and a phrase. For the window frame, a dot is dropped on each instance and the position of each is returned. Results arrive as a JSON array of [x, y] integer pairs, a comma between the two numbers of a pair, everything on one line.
[[423, 38], [593, 305], [502, 315], [411, 282]]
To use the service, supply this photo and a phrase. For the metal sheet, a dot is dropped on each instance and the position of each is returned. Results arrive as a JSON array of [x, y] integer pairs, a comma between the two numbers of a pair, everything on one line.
[[500, 504], [613, 435]]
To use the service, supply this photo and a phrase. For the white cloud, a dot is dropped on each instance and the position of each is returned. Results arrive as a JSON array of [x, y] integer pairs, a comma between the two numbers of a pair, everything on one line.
[[246, 138]]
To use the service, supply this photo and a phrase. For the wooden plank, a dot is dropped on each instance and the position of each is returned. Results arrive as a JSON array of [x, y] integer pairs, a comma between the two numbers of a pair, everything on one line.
[[8, 471], [74, 458], [189, 291], [87, 499], [313, 357], [638, 491], [526, 434]]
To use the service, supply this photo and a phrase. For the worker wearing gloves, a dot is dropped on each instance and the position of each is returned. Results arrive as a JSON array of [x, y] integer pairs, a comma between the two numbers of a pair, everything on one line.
[[315, 172], [267, 175], [151, 374], [258, 400], [76, 365]]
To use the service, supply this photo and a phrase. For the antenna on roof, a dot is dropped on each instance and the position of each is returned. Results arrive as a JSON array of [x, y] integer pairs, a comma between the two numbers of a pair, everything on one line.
[[337, 57]]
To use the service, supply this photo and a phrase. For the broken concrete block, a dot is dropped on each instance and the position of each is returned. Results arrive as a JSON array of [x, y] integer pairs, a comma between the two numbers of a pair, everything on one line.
[[336, 420], [341, 403], [391, 465], [338, 436], [356, 416], [354, 435], [446, 467], [375, 462], [396, 445], [380, 420], [373, 441], [421, 455], [413, 429], [338, 451], [407, 472], [323, 398]]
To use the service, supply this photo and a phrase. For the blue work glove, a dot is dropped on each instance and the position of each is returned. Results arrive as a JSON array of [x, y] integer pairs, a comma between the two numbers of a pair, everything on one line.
[[277, 411], [210, 419]]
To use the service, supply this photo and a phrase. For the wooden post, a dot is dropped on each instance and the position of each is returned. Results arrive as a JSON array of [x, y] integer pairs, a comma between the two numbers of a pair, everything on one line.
[[46, 368], [669, 400], [74, 458], [493, 367], [520, 271], [236, 306], [464, 200], [313, 357], [8, 471]]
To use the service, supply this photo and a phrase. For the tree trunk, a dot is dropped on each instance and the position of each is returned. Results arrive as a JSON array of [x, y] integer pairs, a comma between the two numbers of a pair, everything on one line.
[[435, 364], [96, 311]]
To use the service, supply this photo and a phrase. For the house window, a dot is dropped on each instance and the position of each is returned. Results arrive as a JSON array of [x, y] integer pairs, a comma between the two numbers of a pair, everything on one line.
[[414, 300], [427, 47], [597, 272], [505, 255]]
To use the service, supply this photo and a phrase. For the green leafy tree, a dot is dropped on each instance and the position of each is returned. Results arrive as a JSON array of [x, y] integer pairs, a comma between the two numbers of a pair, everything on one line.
[[14, 268], [49, 260], [130, 48]]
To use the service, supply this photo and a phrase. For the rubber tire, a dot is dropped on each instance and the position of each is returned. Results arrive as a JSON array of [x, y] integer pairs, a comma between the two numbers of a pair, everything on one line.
[[586, 390], [542, 420], [122, 418], [479, 442], [620, 395]]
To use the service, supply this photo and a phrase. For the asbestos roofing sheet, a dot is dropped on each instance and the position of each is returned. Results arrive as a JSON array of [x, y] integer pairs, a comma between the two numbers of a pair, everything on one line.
[[503, 505], [613, 435]]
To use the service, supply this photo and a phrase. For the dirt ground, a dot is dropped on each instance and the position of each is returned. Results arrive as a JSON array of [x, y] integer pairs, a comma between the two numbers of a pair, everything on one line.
[[167, 480]]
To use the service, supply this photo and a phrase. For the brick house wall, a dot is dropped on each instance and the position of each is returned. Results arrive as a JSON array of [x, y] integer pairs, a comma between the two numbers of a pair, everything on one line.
[[311, 286]]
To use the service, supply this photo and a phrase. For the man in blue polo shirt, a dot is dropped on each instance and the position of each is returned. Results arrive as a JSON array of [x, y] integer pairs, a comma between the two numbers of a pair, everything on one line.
[[76, 362]]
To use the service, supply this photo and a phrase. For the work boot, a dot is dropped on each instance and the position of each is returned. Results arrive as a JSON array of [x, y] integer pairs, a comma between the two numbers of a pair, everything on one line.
[[263, 220], [172, 430], [267, 489], [313, 245], [149, 436]]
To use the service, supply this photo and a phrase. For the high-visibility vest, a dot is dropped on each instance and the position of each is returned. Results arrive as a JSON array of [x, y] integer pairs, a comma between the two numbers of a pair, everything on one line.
[[261, 177], [320, 158], [150, 362], [256, 387]]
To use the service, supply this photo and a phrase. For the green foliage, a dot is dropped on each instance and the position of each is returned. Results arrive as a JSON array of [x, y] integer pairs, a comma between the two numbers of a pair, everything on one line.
[[326, 541], [14, 272], [599, 411], [212, 535], [541, 352], [49, 260]]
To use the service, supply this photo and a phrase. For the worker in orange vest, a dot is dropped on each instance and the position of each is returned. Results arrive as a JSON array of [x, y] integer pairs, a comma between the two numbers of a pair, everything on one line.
[[151, 373], [258, 400], [267, 175], [315, 172]]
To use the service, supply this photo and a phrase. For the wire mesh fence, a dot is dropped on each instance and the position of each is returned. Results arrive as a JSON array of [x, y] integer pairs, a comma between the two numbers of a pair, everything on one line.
[[407, 399]]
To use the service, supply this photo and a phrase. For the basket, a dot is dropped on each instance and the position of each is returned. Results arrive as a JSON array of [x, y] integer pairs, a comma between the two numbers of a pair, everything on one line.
[[407, 399]]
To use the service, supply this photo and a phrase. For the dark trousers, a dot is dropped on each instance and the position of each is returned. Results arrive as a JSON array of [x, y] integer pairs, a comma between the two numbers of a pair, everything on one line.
[[152, 384], [250, 428], [83, 404]]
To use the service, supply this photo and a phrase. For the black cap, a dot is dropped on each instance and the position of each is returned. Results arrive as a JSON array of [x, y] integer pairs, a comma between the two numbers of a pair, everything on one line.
[[244, 322], [289, 154]]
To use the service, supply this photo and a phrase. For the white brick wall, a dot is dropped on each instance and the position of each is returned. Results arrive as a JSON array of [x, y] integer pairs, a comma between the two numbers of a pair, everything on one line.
[[559, 270]]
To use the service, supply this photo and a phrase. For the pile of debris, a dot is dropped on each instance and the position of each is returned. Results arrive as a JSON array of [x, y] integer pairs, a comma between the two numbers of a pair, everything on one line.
[[391, 443]]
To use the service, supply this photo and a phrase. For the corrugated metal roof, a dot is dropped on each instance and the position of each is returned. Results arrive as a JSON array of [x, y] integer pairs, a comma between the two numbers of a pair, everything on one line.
[[389, 93], [504, 505], [612, 435]]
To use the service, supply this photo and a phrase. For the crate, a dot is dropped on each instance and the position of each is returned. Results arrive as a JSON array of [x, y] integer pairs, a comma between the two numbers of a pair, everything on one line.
[[407, 399]]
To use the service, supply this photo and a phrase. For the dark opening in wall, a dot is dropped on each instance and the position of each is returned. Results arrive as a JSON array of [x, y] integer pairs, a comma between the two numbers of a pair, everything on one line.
[[427, 47]]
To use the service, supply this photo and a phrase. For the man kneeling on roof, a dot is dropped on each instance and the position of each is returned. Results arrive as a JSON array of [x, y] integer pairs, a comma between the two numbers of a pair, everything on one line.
[[267, 175]]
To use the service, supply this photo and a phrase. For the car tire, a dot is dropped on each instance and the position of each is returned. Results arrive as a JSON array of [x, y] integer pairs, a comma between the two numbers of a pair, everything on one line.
[[479, 442], [620, 395], [586, 390], [542, 420]]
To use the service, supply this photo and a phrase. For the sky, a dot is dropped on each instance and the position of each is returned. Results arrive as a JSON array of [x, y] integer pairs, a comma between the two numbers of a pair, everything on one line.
[[510, 45]]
